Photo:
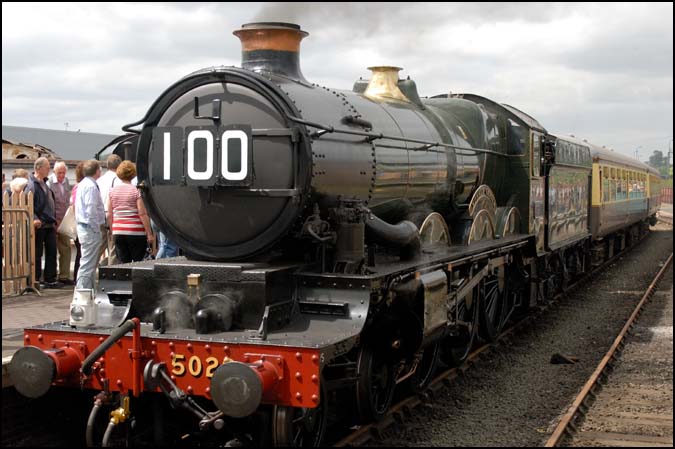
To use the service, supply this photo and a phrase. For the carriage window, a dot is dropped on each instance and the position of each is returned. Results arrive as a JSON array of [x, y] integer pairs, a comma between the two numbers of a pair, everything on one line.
[[636, 183], [619, 189], [612, 190], [619, 185], [643, 189], [612, 185]]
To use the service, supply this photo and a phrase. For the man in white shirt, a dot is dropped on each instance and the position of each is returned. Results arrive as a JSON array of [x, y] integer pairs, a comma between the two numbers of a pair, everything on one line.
[[90, 216], [106, 183]]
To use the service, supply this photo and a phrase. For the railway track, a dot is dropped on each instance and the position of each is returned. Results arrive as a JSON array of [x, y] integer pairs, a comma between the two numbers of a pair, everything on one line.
[[399, 412], [569, 424]]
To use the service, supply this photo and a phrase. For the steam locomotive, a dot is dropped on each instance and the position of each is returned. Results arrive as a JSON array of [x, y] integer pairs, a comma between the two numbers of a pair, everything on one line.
[[338, 245]]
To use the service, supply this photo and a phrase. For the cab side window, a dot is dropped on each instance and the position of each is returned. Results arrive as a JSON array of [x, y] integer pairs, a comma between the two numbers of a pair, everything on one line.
[[516, 138]]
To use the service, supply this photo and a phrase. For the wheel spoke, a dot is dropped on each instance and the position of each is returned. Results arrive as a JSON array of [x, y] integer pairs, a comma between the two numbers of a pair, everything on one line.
[[297, 438], [492, 299]]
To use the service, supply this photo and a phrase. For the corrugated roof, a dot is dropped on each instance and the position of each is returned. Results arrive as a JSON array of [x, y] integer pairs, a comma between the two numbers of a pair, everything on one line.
[[69, 145]]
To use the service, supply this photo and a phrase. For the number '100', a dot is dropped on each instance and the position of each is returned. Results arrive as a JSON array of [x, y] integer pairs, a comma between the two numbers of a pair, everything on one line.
[[207, 173]]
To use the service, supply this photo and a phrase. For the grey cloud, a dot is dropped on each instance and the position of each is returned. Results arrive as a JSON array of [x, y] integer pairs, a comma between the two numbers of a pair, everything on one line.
[[637, 46], [619, 128], [34, 51], [133, 38], [626, 90]]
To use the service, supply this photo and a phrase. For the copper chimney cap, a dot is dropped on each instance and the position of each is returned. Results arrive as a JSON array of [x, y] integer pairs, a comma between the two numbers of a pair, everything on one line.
[[271, 47], [270, 36]]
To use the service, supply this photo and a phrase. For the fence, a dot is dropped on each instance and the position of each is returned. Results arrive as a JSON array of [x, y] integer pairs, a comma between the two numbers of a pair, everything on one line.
[[667, 195], [18, 244]]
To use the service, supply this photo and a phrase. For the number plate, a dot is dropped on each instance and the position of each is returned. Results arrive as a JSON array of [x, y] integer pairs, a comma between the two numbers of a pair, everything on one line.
[[202, 156], [193, 365]]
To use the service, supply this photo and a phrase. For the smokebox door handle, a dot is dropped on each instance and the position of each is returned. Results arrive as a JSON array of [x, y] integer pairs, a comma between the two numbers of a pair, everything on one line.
[[216, 110]]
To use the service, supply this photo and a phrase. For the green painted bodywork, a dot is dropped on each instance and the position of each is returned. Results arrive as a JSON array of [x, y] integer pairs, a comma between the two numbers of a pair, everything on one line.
[[509, 176], [551, 195]]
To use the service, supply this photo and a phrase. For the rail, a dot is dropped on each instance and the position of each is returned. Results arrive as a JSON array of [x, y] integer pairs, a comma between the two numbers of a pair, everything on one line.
[[665, 218], [18, 244], [566, 423]]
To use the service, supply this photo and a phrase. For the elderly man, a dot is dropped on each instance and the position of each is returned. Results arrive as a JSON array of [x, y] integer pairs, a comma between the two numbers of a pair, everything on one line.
[[44, 220], [106, 183], [90, 217], [58, 183]]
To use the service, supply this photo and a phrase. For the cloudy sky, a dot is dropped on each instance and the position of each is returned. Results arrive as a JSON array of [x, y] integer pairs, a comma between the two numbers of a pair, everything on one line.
[[600, 71]]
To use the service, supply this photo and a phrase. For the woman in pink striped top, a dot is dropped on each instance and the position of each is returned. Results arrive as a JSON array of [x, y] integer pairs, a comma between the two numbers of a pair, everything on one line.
[[130, 224]]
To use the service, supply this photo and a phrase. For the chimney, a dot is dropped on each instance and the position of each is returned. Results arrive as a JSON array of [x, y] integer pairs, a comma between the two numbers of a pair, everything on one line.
[[272, 47]]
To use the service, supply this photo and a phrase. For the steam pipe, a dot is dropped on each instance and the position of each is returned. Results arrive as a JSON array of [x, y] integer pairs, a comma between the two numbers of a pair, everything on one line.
[[404, 234], [114, 337], [107, 434], [90, 423], [136, 357]]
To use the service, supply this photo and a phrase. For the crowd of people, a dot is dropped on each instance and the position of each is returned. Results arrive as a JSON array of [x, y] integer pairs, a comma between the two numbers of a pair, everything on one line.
[[108, 212]]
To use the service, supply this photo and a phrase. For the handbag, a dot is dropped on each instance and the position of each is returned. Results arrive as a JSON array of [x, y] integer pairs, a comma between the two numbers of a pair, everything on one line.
[[68, 225]]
